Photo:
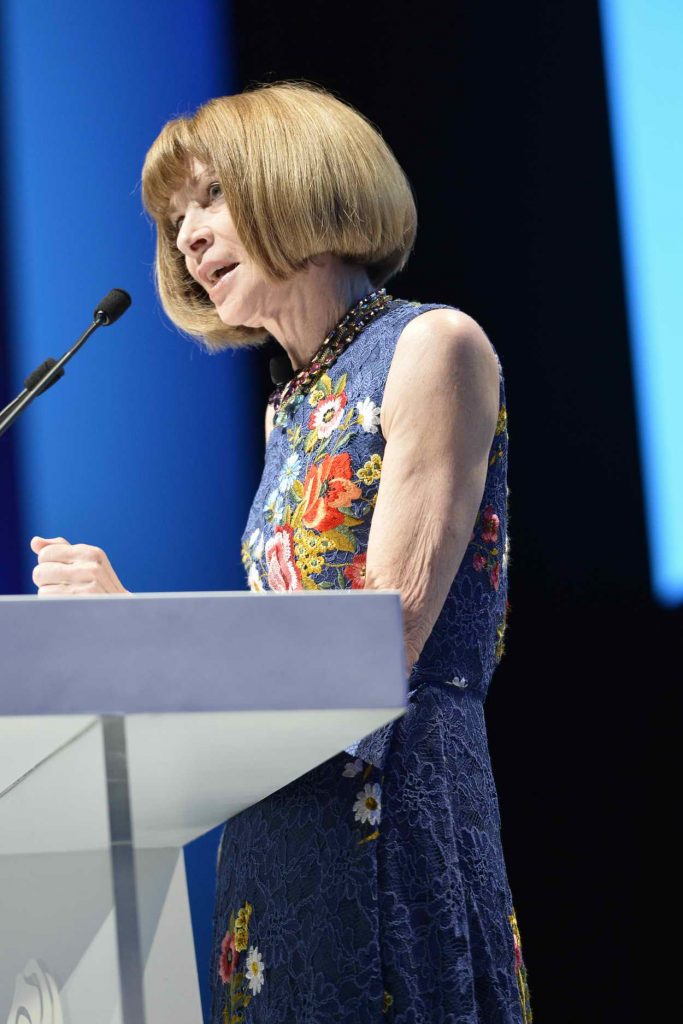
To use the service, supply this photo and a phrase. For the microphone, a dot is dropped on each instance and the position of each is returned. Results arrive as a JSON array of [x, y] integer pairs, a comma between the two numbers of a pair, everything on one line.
[[280, 369], [34, 378], [112, 306]]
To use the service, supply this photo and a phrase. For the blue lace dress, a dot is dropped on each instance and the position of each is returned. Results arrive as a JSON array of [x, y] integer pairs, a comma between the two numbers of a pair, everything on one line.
[[373, 888]]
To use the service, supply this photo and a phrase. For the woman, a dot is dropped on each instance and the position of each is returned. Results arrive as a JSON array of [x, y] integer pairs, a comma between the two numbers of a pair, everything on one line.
[[374, 887]]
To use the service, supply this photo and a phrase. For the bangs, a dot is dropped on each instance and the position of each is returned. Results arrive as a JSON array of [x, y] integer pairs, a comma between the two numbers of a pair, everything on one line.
[[168, 166]]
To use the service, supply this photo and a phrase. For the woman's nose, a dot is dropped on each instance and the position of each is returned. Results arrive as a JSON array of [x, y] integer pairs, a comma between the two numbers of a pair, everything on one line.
[[194, 234]]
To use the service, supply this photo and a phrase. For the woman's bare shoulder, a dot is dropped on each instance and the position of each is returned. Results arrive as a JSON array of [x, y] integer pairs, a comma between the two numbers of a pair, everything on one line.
[[437, 350]]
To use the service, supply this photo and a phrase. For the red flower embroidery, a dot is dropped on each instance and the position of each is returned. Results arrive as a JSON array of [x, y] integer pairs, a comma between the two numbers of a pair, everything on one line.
[[494, 576], [328, 487], [229, 958], [518, 954], [355, 571], [478, 562], [490, 525], [283, 572]]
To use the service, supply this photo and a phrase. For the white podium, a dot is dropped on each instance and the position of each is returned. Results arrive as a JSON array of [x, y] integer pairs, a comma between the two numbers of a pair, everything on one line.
[[130, 725]]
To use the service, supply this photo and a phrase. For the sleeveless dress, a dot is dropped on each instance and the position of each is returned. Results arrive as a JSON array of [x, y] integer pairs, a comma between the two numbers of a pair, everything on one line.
[[373, 888]]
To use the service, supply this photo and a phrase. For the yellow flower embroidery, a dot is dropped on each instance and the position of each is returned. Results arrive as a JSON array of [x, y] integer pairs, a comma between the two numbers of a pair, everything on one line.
[[242, 927], [520, 971], [387, 1001], [372, 470], [502, 423], [316, 395], [309, 551], [500, 632]]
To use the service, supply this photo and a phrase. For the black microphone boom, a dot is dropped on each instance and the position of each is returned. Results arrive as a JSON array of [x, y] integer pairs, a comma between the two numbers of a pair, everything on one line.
[[109, 309], [32, 379]]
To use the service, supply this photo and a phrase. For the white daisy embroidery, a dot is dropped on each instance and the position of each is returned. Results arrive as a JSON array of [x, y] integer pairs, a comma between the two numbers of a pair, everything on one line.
[[352, 768], [368, 415], [257, 540], [254, 970], [368, 806], [506, 552], [254, 579]]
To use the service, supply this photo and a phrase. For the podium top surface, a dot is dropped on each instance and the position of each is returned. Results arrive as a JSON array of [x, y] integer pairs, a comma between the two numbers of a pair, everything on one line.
[[216, 651]]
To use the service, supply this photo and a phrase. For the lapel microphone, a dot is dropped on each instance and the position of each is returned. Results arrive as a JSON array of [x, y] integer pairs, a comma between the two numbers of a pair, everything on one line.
[[280, 369]]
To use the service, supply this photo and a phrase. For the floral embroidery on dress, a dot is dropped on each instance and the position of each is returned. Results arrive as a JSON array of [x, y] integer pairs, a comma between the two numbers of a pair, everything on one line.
[[486, 555], [367, 809], [520, 971], [320, 499], [500, 631], [368, 415], [246, 983], [501, 432], [368, 805], [355, 571]]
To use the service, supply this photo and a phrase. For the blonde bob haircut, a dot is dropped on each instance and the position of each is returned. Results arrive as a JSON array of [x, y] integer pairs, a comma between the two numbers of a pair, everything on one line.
[[302, 172]]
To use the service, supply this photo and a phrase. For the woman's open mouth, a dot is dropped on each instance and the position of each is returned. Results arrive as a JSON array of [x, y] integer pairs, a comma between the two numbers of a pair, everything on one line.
[[220, 275]]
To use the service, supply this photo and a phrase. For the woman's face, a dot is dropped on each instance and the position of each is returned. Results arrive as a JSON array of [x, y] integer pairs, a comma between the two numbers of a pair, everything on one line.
[[214, 255]]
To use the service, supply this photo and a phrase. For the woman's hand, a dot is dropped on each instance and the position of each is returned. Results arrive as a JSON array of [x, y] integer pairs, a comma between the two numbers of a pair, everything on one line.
[[65, 568]]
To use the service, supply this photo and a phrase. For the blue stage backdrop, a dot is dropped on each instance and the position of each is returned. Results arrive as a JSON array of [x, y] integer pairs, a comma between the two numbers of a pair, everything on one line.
[[148, 447]]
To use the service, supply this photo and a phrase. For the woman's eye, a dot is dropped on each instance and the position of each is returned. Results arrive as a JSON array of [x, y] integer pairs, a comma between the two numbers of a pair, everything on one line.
[[178, 224], [215, 190]]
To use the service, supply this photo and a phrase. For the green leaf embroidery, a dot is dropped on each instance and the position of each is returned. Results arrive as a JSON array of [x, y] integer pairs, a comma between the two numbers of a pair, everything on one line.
[[342, 539], [342, 440]]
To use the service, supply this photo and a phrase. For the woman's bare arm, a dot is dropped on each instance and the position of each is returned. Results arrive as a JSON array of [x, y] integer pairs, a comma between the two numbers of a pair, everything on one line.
[[438, 416]]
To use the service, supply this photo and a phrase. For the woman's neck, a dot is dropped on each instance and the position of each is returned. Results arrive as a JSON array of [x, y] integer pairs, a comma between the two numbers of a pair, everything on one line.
[[312, 302]]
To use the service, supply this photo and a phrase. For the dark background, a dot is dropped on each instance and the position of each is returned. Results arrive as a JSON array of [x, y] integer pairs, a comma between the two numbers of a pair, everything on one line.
[[498, 114]]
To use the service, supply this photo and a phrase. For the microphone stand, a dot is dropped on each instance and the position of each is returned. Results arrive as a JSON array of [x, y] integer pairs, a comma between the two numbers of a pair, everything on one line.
[[15, 408], [34, 378]]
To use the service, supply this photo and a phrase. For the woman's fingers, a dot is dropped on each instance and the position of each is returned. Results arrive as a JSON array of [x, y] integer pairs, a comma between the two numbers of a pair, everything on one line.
[[62, 551], [38, 543], [65, 568], [74, 589], [46, 574]]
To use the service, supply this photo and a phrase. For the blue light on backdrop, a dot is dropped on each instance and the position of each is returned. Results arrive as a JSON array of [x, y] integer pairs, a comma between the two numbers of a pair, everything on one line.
[[147, 446], [643, 45]]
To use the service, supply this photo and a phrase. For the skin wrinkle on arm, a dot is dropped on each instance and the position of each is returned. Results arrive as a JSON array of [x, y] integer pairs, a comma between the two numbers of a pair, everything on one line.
[[439, 416]]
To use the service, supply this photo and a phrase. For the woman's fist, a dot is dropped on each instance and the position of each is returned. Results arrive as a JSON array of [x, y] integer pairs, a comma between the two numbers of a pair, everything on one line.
[[65, 568]]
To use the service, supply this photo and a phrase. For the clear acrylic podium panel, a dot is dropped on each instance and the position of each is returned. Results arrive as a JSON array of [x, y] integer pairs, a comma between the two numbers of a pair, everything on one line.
[[78, 943], [96, 807], [58, 941]]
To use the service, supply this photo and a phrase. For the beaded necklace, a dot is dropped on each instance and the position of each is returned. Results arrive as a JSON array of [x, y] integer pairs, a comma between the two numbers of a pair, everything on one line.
[[339, 338]]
